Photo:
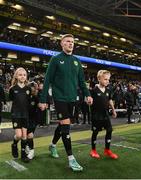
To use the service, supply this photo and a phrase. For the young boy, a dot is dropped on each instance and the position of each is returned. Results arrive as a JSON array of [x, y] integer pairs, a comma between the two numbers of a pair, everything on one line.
[[100, 116]]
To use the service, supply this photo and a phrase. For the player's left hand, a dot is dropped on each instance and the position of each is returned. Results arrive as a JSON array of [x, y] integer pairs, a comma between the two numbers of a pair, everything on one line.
[[43, 106], [89, 100], [114, 115]]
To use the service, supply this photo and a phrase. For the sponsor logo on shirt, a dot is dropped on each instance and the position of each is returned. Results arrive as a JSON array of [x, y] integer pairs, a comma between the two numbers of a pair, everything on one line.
[[94, 128], [15, 124], [99, 94], [32, 103], [27, 92], [61, 62], [60, 115], [15, 91], [107, 94]]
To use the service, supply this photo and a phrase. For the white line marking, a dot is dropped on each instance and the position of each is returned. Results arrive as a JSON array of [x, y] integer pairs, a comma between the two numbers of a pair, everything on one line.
[[119, 145], [16, 165]]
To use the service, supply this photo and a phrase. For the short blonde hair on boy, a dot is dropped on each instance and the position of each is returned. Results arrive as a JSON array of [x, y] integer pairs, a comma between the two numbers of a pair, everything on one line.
[[67, 35], [102, 72]]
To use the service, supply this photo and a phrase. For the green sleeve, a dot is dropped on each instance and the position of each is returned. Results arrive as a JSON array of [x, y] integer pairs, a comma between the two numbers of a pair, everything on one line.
[[82, 83], [49, 78]]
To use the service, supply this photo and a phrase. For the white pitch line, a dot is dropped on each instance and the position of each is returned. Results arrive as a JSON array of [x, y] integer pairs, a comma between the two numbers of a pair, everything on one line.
[[119, 145], [16, 165]]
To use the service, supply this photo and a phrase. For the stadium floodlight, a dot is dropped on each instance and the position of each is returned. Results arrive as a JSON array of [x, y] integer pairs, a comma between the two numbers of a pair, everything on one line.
[[45, 35], [76, 25], [122, 50], [49, 32], [39, 51], [2, 2], [87, 28], [12, 55], [123, 39], [86, 41], [28, 62], [115, 37], [50, 17], [18, 7], [16, 24], [35, 58], [106, 46], [33, 28], [106, 34], [76, 39], [94, 46]]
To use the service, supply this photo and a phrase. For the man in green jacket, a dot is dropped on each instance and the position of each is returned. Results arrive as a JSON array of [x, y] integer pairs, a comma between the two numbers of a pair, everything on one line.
[[64, 75]]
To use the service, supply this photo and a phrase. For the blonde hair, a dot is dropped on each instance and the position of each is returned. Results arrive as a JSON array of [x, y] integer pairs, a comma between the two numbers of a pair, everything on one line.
[[103, 72], [67, 35], [15, 80]]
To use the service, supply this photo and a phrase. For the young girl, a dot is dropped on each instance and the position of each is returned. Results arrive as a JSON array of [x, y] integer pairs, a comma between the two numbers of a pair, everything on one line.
[[19, 94]]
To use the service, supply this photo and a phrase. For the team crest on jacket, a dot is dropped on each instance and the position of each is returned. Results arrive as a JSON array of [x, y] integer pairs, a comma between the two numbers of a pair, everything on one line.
[[32, 103], [27, 92], [75, 63], [60, 115], [107, 94], [15, 124]]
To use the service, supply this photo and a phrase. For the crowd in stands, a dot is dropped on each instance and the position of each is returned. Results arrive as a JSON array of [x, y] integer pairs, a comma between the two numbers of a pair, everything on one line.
[[39, 41], [22, 38]]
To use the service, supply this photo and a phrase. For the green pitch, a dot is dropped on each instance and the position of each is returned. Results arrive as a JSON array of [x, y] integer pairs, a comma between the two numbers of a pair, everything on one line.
[[126, 143]]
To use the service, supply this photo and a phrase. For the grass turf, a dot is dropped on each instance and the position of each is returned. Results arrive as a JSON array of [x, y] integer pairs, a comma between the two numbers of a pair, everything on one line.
[[44, 167]]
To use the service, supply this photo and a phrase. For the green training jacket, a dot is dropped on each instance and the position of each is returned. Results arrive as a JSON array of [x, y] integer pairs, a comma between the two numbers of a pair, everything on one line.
[[64, 74]]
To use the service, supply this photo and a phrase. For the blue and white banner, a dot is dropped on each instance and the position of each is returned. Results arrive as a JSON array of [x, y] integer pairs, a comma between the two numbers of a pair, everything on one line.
[[39, 51]]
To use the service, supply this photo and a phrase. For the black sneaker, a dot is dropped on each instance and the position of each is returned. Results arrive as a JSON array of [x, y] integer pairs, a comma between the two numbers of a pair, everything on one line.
[[24, 157], [14, 149]]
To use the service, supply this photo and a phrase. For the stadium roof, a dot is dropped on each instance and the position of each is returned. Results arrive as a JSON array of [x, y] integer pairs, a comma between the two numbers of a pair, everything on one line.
[[120, 14], [107, 25]]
